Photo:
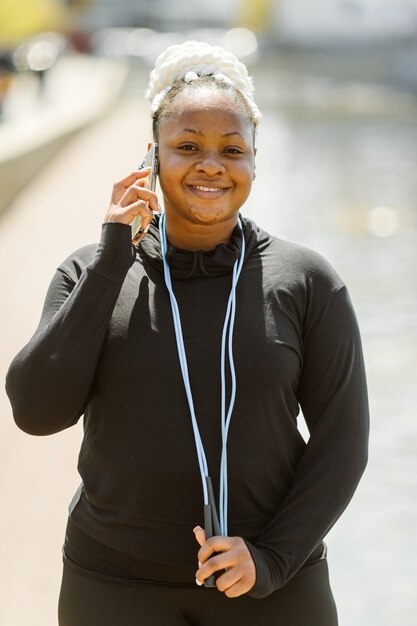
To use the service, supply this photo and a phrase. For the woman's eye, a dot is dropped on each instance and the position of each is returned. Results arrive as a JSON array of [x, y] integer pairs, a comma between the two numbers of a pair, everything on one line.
[[234, 151], [187, 146]]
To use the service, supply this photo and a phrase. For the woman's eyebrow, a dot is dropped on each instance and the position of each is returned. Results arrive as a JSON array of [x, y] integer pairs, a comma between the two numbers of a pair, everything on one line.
[[190, 130], [233, 132], [198, 132]]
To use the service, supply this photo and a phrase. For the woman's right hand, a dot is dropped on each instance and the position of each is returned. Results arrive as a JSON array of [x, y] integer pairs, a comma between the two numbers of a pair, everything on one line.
[[131, 198]]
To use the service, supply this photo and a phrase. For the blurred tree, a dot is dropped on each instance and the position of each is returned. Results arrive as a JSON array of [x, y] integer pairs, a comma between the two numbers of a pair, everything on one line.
[[74, 28], [77, 4], [256, 14], [6, 77], [20, 19]]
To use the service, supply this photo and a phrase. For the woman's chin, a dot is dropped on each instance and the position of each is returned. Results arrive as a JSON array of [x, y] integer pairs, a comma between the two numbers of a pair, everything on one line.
[[210, 215]]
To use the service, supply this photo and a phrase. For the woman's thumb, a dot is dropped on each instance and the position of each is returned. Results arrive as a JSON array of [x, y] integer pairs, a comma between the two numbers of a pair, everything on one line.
[[200, 535]]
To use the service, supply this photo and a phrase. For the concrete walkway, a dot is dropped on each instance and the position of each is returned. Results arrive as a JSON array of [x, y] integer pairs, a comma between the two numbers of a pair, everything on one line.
[[38, 121], [59, 211]]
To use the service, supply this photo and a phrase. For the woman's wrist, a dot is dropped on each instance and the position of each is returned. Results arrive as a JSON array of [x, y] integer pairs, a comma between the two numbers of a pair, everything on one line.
[[262, 586], [115, 253]]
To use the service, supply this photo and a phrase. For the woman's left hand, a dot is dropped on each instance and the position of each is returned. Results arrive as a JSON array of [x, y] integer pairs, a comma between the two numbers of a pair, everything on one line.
[[235, 557]]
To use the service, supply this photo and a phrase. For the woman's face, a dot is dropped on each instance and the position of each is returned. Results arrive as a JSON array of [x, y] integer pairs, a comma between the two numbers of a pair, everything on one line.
[[206, 157]]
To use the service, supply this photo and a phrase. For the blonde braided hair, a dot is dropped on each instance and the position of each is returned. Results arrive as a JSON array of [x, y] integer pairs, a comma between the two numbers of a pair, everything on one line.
[[193, 59]]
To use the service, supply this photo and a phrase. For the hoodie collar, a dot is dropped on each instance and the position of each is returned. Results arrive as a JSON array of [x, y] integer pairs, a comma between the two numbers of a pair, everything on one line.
[[186, 264]]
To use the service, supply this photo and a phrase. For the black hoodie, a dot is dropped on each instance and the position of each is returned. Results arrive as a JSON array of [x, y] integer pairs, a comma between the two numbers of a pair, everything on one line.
[[105, 348]]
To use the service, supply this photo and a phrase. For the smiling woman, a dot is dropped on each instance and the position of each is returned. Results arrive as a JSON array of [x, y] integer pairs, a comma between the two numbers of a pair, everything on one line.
[[206, 169], [190, 355], [205, 126]]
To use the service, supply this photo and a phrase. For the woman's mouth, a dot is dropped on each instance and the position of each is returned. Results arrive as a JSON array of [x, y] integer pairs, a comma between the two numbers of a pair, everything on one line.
[[207, 192], [206, 188]]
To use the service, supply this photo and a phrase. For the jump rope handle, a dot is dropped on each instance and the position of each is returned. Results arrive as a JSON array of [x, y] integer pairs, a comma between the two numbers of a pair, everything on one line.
[[211, 527]]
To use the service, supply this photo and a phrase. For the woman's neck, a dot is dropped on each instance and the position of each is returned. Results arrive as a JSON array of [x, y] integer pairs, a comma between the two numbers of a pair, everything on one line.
[[189, 236]]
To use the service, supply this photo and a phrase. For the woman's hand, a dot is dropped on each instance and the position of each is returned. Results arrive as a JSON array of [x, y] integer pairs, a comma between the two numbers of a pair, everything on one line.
[[236, 558], [131, 198]]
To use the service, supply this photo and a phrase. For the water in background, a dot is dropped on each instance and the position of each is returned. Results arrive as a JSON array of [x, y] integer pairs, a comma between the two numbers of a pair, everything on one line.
[[342, 180]]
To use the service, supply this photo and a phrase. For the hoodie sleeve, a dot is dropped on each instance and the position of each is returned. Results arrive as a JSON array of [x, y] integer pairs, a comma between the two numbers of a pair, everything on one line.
[[333, 397], [49, 381]]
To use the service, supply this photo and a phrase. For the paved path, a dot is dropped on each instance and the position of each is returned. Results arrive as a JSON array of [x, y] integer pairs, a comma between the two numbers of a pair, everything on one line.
[[60, 211]]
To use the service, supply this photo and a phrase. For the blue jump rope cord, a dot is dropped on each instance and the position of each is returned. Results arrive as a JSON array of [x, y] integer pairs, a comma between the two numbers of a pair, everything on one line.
[[227, 337]]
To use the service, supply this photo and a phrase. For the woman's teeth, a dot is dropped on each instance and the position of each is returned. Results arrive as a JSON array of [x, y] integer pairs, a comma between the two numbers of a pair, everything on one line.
[[206, 188]]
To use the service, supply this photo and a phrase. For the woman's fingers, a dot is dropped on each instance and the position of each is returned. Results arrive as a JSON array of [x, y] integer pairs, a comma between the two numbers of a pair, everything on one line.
[[120, 187], [139, 208], [228, 579], [243, 585], [230, 554], [216, 563], [200, 535], [215, 544], [125, 215], [132, 198], [137, 192]]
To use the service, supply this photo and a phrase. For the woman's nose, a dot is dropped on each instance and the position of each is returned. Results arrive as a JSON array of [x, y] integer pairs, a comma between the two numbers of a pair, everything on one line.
[[210, 165]]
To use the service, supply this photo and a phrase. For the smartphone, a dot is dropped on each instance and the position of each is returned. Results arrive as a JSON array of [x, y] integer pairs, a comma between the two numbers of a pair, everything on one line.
[[150, 160]]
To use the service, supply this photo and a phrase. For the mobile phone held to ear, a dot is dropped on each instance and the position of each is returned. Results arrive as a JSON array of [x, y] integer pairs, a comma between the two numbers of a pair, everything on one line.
[[150, 160]]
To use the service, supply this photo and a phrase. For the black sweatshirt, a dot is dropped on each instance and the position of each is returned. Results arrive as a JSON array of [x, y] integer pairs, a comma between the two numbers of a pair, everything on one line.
[[105, 348]]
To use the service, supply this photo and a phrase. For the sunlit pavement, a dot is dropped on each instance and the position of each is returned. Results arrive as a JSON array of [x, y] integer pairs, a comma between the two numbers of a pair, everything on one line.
[[40, 115], [60, 211], [342, 184]]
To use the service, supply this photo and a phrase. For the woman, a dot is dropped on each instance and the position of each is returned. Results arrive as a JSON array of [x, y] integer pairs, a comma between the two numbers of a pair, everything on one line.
[[189, 355]]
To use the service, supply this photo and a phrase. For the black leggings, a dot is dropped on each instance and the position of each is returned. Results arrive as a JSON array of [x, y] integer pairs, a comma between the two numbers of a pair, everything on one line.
[[306, 600]]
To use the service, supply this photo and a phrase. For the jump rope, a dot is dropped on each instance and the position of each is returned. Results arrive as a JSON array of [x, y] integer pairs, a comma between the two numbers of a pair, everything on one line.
[[214, 524]]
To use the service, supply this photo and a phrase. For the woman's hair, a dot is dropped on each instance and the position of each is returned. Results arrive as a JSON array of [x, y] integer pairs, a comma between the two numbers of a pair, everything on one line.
[[192, 65]]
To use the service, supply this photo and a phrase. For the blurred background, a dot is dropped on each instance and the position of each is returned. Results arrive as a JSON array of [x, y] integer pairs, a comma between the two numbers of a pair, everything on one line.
[[336, 81]]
